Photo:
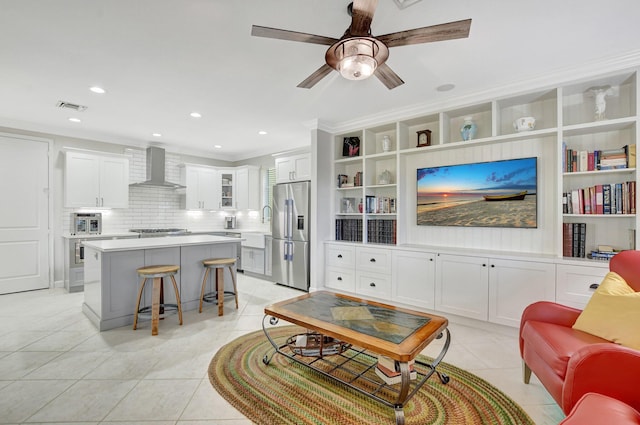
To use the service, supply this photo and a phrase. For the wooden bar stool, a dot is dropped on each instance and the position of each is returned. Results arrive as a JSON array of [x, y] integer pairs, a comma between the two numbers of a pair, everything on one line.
[[219, 264], [157, 273]]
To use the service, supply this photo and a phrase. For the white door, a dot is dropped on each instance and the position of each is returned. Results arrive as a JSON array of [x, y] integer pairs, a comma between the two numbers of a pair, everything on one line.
[[24, 216]]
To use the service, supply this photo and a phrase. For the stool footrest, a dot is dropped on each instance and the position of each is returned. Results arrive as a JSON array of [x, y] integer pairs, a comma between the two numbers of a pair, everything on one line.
[[212, 297], [169, 309]]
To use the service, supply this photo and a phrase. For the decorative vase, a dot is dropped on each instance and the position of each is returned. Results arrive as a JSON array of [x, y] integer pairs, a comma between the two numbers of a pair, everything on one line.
[[468, 129], [386, 144], [384, 177]]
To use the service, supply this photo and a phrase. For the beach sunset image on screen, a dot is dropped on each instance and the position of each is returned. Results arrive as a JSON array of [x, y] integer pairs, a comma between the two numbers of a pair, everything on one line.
[[481, 194]]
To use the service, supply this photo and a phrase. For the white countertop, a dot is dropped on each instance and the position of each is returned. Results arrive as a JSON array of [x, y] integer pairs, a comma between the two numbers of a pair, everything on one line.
[[102, 235], [113, 245]]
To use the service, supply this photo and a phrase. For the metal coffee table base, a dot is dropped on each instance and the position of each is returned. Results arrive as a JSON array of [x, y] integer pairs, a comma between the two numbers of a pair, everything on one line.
[[355, 368]]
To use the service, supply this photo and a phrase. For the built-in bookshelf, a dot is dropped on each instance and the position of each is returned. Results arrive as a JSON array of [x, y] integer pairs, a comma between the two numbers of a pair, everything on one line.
[[584, 137]]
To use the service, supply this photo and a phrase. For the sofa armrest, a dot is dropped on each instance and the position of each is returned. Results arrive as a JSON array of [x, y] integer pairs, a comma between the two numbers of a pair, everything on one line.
[[549, 312], [606, 368]]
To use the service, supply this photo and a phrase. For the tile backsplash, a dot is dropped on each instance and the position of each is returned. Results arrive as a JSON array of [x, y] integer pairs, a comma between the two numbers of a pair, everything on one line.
[[152, 207]]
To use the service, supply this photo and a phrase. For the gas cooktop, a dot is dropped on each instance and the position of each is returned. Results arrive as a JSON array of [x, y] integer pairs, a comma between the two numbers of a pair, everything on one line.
[[160, 232]]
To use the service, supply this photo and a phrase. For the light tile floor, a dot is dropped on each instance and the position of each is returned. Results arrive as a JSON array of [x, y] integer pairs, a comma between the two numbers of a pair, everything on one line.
[[55, 367]]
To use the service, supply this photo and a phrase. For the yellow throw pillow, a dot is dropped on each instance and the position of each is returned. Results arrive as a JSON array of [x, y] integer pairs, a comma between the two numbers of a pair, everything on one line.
[[613, 313]]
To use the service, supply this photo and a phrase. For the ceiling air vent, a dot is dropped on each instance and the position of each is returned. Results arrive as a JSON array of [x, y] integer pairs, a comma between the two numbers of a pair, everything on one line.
[[69, 105]]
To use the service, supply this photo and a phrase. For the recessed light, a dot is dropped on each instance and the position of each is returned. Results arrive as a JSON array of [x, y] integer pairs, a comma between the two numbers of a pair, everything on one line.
[[196, 115], [156, 135], [97, 89], [217, 146], [262, 132], [74, 119], [446, 87]]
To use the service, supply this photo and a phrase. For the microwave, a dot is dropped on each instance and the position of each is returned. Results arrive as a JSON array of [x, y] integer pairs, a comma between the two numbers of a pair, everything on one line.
[[86, 223]]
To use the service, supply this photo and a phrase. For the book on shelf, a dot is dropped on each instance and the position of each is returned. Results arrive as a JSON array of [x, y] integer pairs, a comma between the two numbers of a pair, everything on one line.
[[616, 198], [574, 237], [606, 159], [382, 231], [380, 204], [349, 229]]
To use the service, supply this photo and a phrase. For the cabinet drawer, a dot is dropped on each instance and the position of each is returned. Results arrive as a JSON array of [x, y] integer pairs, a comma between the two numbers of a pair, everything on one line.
[[574, 283], [340, 256], [372, 259], [340, 279], [373, 284]]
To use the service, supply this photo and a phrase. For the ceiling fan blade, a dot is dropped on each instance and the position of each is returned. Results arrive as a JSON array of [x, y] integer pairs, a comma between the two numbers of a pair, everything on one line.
[[448, 31], [318, 75], [361, 16], [388, 77], [258, 31]]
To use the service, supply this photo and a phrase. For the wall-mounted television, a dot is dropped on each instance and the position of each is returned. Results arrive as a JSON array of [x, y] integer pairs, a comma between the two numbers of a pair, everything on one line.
[[480, 194]]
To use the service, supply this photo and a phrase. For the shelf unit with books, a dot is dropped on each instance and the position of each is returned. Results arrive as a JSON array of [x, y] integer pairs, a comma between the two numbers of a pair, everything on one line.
[[565, 118], [366, 191], [598, 165]]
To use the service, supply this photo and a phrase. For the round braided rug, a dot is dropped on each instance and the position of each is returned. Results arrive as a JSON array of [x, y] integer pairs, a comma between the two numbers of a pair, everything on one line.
[[285, 392]]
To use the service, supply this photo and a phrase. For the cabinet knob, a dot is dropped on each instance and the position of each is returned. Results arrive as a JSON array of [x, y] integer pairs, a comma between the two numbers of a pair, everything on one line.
[[493, 265], [594, 286], [373, 260], [484, 265], [339, 277], [339, 255], [430, 259], [372, 284]]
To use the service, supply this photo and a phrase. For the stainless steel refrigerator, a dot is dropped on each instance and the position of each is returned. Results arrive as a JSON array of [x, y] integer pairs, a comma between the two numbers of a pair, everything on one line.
[[291, 235]]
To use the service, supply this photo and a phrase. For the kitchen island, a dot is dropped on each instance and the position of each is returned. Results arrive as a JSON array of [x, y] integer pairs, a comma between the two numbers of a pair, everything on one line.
[[111, 282]]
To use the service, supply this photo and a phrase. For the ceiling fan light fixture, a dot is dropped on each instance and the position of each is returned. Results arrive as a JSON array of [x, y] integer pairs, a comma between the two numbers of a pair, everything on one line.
[[356, 58]]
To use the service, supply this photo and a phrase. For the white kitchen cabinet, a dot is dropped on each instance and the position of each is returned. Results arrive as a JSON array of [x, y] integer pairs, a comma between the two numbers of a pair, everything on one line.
[[293, 168], [96, 181], [513, 285], [414, 278], [227, 184], [248, 188], [202, 188], [253, 260], [575, 284], [462, 285]]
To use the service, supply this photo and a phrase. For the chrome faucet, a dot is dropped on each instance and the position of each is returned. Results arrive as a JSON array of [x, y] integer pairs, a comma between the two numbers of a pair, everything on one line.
[[270, 212]]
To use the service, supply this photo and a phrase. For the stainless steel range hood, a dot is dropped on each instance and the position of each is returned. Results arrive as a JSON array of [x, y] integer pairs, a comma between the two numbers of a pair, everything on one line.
[[155, 170]]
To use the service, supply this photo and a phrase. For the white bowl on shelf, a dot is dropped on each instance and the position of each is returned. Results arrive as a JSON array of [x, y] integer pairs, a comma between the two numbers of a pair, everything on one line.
[[524, 124]]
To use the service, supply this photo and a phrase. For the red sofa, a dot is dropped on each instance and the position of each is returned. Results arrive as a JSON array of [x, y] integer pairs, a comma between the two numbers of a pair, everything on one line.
[[571, 363], [598, 409]]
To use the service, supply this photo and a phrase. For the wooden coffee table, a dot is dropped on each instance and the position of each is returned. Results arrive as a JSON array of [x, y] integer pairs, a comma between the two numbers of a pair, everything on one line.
[[345, 335]]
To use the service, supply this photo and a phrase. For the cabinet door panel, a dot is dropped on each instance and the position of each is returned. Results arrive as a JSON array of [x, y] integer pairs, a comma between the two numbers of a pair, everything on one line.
[[81, 180], [340, 279], [340, 256], [373, 284], [114, 182], [513, 285], [462, 285], [373, 259], [414, 278], [574, 283]]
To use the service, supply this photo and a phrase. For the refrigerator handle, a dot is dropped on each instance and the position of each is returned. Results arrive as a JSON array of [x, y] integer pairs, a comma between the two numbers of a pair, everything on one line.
[[289, 219], [288, 251]]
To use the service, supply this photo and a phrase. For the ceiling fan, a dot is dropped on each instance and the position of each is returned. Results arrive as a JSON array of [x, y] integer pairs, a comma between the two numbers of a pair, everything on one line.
[[358, 54]]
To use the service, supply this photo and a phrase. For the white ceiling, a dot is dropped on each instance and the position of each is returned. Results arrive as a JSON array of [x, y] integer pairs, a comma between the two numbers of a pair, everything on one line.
[[159, 60]]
